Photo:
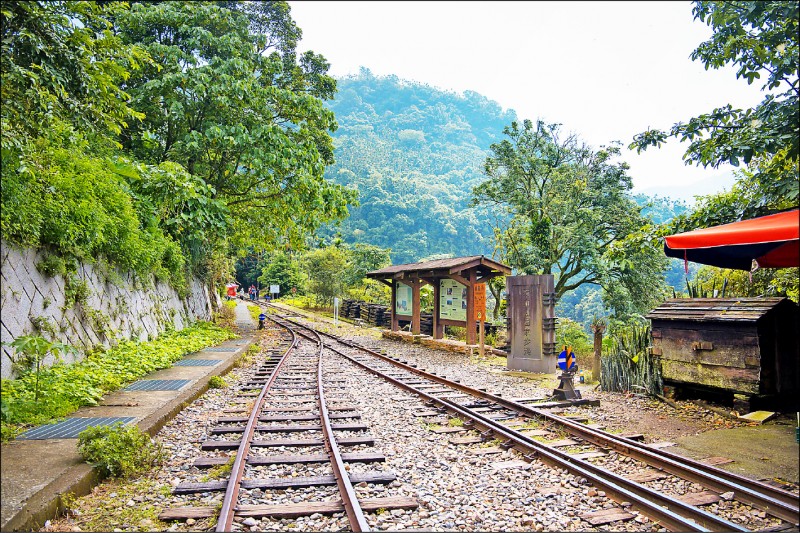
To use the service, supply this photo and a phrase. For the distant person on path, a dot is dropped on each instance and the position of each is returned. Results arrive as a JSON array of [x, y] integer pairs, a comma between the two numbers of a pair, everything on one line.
[[231, 287], [252, 292]]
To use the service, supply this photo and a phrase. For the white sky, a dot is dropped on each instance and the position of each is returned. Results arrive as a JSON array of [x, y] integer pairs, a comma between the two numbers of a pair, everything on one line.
[[605, 70]]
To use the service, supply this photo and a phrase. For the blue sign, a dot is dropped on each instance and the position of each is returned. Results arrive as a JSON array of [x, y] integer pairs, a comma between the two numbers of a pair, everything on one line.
[[566, 359]]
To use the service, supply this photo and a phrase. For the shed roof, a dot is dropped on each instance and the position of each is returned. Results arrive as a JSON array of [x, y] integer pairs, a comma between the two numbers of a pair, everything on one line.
[[715, 309], [443, 266]]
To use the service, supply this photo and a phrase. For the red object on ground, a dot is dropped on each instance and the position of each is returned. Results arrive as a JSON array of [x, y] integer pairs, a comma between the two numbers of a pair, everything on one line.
[[771, 241]]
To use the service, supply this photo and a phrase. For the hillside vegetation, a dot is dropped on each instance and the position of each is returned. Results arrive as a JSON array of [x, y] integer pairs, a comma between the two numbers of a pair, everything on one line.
[[414, 153]]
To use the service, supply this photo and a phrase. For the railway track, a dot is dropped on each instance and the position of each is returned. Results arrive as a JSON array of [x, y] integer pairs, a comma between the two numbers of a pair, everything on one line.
[[517, 425], [291, 400]]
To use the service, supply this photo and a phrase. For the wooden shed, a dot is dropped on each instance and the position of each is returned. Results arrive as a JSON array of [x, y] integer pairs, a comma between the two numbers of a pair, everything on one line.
[[748, 346]]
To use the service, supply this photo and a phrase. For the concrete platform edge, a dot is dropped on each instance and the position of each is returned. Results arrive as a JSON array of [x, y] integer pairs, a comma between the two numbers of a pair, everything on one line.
[[79, 480]]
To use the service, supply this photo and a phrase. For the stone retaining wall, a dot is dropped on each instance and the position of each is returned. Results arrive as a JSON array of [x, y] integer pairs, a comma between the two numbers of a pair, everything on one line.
[[118, 307]]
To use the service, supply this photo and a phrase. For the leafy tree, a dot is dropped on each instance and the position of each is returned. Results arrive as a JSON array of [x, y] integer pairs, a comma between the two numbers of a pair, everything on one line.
[[62, 61], [228, 99], [281, 269], [249, 268], [366, 258], [183, 205], [738, 283], [569, 212], [758, 38], [325, 268]]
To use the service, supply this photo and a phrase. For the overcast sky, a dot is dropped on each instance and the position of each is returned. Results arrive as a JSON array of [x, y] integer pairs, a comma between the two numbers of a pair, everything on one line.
[[605, 70]]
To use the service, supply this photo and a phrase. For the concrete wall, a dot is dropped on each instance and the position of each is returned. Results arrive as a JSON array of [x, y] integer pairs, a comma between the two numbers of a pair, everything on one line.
[[118, 306]]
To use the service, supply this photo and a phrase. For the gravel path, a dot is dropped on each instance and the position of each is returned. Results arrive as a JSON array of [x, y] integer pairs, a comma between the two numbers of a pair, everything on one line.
[[458, 487]]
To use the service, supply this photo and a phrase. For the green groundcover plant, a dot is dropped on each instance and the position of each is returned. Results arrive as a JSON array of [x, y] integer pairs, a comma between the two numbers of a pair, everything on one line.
[[119, 451], [63, 388]]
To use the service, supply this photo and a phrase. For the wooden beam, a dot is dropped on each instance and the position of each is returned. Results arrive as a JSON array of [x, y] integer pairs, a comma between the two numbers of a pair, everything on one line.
[[465, 266], [448, 322], [385, 282], [463, 281], [399, 275], [487, 277]]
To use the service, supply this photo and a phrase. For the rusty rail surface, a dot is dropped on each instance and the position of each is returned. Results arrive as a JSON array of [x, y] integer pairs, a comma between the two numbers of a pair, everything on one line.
[[776, 502], [355, 514], [226, 514]]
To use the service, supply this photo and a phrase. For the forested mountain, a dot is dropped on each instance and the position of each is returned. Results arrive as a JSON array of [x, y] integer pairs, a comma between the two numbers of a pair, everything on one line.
[[414, 153]]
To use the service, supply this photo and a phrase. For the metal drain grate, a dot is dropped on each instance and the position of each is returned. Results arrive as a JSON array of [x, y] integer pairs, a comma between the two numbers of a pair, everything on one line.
[[198, 362], [158, 384], [231, 349], [69, 428]]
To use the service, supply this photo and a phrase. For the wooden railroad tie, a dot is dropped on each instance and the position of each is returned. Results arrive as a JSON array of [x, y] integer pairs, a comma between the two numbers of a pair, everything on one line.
[[606, 516], [288, 428], [286, 459], [378, 478], [275, 443], [294, 510], [286, 418]]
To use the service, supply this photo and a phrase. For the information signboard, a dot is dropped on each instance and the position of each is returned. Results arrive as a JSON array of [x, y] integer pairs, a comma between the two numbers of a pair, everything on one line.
[[452, 300], [404, 305], [480, 302]]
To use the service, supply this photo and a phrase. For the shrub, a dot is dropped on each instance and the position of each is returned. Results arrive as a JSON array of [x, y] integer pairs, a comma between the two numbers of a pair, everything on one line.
[[628, 365], [226, 317], [119, 451], [217, 382], [61, 197]]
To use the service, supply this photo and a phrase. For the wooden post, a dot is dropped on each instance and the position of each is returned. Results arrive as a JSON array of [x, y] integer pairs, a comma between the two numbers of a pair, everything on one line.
[[480, 328], [415, 311], [471, 276], [598, 328], [438, 329], [395, 321]]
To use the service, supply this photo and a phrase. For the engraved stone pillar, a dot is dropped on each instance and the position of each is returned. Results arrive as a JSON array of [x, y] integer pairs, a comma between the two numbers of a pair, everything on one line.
[[532, 313]]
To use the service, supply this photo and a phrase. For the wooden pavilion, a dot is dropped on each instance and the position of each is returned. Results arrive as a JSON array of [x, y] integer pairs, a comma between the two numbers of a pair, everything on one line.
[[453, 280]]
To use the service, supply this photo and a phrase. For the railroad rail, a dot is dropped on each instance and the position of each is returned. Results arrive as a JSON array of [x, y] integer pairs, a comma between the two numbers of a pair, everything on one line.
[[286, 385], [487, 412]]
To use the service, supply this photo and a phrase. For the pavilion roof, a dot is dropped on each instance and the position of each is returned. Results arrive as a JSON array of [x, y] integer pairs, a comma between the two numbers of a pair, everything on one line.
[[442, 267]]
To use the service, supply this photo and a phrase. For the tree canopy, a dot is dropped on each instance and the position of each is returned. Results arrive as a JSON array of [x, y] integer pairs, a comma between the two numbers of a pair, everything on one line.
[[172, 134], [569, 212], [413, 152], [228, 99], [758, 38]]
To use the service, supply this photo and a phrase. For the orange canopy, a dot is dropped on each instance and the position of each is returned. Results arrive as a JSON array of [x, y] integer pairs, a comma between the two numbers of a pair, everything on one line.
[[771, 241]]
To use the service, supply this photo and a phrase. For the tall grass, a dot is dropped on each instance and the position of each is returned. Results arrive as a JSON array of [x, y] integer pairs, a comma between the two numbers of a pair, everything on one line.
[[628, 366]]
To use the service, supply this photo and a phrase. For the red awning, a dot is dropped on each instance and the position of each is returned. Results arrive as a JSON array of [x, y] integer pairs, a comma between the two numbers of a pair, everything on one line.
[[771, 241]]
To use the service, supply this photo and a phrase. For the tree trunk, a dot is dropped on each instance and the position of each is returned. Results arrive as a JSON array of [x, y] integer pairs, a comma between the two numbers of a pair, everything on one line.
[[598, 330]]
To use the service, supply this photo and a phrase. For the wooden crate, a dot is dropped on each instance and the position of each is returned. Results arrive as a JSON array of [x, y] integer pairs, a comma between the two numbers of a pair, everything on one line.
[[744, 345]]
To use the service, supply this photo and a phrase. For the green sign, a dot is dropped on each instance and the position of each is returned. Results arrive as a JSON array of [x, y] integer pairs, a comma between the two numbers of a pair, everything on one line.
[[404, 305], [452, 300]]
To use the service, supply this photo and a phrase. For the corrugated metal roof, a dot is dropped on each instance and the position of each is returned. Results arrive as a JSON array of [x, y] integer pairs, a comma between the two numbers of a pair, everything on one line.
[[439, 264], [714, 309]]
